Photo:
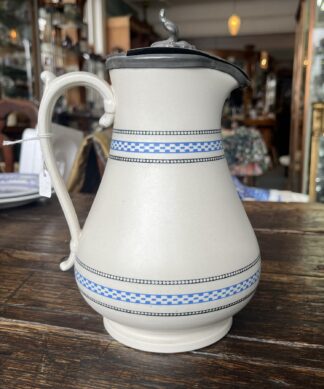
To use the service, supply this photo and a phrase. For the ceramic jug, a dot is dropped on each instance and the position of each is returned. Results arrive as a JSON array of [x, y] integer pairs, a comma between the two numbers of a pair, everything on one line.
[[167, 254]]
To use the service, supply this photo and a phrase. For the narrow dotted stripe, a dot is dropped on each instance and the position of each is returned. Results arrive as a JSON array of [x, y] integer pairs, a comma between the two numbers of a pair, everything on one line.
[[168, 282], [168, 314], [168, 133], [166, 299], [166, 161]]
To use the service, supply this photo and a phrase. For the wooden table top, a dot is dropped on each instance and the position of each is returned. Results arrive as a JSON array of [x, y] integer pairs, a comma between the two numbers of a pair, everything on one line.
[[50, 338]]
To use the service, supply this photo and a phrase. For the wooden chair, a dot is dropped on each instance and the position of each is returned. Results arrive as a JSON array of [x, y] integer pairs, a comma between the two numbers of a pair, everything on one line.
[[8, 106]]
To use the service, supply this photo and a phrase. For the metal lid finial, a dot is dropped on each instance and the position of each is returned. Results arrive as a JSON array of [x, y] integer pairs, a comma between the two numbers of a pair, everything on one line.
[[171, 27], [173, 31]]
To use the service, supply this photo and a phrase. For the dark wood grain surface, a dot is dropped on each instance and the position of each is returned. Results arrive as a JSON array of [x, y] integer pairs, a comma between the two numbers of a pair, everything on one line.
[[50, 338]]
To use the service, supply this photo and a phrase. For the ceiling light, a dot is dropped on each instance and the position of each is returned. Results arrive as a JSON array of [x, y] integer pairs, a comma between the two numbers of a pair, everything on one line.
[[234, 24]]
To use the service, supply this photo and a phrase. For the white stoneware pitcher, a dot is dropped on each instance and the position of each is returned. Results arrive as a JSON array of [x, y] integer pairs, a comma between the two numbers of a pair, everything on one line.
[[167, 254]]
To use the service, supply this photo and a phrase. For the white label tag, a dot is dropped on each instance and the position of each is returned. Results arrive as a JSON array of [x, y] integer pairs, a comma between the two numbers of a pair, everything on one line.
[[45, 184]]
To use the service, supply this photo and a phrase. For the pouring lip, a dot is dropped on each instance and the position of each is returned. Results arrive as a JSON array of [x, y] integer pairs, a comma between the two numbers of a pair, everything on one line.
[[171, 57]]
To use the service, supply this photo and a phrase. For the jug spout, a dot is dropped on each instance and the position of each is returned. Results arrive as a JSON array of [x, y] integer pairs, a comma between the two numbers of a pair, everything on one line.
[[225, 84], [160, 99], [171, 84]]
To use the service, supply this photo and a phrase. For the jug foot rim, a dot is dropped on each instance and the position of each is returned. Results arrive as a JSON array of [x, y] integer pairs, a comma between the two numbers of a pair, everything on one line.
[[170, 341]]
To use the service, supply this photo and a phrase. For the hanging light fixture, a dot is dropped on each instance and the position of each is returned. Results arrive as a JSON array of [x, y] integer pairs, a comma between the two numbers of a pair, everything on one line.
[[234, 22]]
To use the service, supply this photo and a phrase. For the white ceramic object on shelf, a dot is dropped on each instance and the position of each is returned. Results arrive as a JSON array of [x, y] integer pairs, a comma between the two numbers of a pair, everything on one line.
[[167, 254], [65, 142], [16, 184], [18, 189]]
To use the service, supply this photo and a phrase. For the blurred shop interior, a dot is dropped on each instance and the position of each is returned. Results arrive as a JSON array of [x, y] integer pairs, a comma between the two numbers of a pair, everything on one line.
[[273, 130]]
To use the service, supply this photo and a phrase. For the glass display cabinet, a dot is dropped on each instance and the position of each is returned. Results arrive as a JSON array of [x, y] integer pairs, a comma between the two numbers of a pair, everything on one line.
[[306, 171], [316, 101], [38, 35], [19, 64], [316, 176]]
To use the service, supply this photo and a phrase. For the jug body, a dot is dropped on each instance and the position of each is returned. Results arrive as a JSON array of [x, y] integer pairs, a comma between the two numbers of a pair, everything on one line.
[[167, 254]]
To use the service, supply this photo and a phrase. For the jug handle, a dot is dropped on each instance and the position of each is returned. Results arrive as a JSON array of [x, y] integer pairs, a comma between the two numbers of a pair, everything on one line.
[[54, 88]]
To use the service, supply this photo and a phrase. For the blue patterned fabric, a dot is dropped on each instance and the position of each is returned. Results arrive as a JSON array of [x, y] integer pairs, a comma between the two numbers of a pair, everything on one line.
[[247, 192]]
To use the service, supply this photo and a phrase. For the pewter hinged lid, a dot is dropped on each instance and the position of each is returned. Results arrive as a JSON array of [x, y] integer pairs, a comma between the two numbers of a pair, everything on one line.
[[171, 53]]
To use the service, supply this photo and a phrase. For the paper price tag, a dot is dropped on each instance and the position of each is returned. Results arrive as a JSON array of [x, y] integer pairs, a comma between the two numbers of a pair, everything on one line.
[[45, 184]]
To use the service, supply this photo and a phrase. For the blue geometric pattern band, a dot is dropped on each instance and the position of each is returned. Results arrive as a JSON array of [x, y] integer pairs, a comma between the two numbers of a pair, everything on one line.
[[166, 299], [166, 148]]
